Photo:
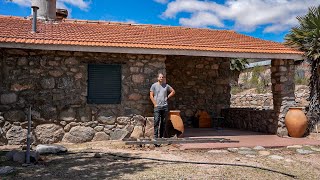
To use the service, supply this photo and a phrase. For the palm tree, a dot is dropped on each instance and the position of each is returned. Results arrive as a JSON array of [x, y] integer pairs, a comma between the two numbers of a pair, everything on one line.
[[306, 37]]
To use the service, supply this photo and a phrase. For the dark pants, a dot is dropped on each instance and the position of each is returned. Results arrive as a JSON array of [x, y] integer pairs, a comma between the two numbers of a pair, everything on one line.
[[160, 118]]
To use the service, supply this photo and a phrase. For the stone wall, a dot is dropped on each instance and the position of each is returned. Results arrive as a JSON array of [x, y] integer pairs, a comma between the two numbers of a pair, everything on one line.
[[54, 83], [265, 101], [200, 83], [250, 119]]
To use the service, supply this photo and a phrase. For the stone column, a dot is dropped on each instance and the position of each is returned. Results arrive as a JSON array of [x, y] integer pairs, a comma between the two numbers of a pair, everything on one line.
[[282, 77]]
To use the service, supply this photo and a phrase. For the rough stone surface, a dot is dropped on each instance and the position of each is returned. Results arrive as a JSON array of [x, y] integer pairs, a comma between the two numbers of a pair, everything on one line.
[[247, 152], [259, 148], [219, 151], [294, 147], [49, 133], [15, 116], [68, 115], [118, 134], [101, 136], [50, 149], [8, 98], [264, 153], [304, 151], [79, 134], [105, 119], [149, 129], [137, 132], [19, 157], [123, 120], [16, 135], [233, 150]]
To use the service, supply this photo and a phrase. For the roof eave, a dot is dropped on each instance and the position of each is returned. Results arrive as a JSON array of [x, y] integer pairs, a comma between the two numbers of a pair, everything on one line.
[[130, 50]]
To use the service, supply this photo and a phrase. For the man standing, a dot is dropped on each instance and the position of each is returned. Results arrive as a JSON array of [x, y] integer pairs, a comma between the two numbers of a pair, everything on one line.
[[159, 97]]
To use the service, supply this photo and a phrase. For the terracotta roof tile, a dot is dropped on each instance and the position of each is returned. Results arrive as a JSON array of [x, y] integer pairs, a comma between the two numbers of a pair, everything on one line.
[[109, 34]]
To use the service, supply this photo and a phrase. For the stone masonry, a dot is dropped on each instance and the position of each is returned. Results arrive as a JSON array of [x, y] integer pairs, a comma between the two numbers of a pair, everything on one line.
[[200, 83], [282, 78], [54, 83]]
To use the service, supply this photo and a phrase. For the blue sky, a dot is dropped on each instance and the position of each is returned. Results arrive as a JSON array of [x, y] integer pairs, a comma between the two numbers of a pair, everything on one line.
[[265, 19]]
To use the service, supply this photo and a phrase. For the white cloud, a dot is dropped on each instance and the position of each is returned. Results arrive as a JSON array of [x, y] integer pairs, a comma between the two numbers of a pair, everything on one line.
[[161, 1], [247, 15], [201, 19], [82, 4]]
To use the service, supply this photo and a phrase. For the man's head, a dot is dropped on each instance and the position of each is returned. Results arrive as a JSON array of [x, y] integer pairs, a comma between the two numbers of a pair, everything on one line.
[[160, 78]]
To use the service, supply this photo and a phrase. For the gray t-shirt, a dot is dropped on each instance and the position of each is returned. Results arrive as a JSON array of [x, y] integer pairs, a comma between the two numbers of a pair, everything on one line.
[[160, 93]]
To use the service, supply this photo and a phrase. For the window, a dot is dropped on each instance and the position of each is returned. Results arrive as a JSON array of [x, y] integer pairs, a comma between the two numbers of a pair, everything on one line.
[[104, 84]]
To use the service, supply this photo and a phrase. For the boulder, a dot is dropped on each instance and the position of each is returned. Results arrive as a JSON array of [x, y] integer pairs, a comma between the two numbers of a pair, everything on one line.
[[123, 120], [118, 134], [19, 157], [49, 133], [101, 136], [137, 132], [79, 134], [105, 119], [139, 120], [68, 115], [149, 129], [16, 135], [15, 116], [8, 98], [50, 149]]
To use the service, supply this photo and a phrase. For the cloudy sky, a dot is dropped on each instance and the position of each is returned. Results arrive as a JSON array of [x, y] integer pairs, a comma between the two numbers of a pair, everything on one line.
[[266, 19]]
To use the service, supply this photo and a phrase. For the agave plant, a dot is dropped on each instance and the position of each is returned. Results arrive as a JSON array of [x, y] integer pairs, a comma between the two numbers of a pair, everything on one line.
[[306, 37]]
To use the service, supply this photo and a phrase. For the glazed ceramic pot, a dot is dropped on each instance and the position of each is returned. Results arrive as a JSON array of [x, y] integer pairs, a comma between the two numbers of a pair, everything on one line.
[[296, 122], [175, 118]]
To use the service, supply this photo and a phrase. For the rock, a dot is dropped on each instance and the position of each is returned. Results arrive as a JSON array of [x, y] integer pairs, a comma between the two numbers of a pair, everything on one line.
[[137, 132], [294, 147], [139, 120], [8, 98], [79, 134], [106, 119], [149, 129], [315, 149], [245, 149], [85, 114], [233, 150], [16, 135], [15, 116], [276, 157], [237, 159], [3, 140], [19, 157], [135, 97], [250, 156], [50, 149], [304, 151], [259, 148], [47, 83], [138, 78], [49, 133], [99, 128], [264, 153], [67, 115], [71, 61], [101, 136], [6, 170], [123, 120], [218, 151], [247, 152], [118, 134]]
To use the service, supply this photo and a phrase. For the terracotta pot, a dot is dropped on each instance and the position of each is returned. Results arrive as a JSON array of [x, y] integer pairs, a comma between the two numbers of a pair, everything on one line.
[[296, 122], [176, 120]]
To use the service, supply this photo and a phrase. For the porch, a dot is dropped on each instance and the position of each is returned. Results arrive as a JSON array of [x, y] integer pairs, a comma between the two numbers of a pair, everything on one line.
[[245, 138]]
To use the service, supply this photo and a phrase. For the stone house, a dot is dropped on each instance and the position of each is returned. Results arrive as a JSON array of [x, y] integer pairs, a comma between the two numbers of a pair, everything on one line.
[[90, 80]]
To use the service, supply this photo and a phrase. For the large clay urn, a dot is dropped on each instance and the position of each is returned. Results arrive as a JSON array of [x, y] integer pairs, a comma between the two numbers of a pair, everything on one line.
[[296, 122], [177, 123]]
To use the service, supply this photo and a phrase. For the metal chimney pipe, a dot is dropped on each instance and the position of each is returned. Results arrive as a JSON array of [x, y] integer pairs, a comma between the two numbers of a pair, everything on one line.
[[34, 19]]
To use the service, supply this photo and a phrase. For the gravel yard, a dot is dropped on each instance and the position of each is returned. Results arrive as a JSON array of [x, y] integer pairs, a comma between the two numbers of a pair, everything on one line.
[[114, 160]]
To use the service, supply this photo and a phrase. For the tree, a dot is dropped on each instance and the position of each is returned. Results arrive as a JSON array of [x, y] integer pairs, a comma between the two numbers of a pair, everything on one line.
[[306, 37], [236, 66]]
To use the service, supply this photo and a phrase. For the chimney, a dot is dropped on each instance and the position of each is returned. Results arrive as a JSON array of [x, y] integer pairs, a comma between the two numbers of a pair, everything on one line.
[[47, 9], [34, 19]]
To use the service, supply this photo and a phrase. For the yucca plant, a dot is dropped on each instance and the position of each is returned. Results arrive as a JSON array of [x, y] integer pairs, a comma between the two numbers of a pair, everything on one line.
[[306, 37]]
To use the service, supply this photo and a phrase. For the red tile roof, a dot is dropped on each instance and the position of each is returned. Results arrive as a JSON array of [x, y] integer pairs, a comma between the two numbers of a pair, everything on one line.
[[107, 34]]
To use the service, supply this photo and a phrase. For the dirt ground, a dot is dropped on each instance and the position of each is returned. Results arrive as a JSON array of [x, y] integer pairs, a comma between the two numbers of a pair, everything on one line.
[[119, 161]]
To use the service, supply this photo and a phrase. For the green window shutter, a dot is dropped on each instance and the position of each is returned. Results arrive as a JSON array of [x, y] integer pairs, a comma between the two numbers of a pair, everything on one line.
[[104, 84]]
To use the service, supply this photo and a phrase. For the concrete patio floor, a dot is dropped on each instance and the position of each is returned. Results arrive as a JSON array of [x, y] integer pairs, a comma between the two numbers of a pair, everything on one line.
[[245, 138]]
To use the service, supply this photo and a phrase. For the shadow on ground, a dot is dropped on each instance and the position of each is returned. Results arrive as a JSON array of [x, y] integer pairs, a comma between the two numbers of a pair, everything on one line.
[[78, 166]]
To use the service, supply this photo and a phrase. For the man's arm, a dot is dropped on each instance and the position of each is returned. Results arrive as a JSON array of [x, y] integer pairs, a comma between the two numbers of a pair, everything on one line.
[[172, 92], [152, 99]]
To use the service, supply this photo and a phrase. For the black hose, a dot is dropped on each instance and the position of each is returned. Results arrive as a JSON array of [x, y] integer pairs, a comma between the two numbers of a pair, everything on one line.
[[194, 162]]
